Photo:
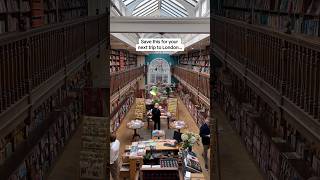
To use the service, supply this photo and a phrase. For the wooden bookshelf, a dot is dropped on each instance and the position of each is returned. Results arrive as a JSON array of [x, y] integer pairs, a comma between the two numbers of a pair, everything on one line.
[[119, 108], [22, 15], [21, 76], [120, 79], [271, 62], [199, 81], [15, 15], [280, 149], [49, 127], [198, 61], [121, 60], [289, 16], [197, 108]]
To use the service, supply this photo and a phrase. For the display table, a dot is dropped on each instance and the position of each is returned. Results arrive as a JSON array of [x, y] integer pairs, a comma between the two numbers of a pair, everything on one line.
[[135, 124], [154, 158], [178, 125]]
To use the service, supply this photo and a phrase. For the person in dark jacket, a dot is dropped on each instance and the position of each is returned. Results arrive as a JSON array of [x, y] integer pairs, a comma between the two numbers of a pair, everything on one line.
[[205, 137], [156, 113]]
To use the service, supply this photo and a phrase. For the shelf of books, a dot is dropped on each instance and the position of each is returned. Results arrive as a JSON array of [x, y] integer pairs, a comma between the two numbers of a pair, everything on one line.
[[200, 82], [121, 60], [198, 61], [58, 127], [21, 15], [197, 108], [280, 150], [41, 137], [119, 109], [93, 148], [172, 107], [140, 109], [121, 79], [15, 15], [290, 16]]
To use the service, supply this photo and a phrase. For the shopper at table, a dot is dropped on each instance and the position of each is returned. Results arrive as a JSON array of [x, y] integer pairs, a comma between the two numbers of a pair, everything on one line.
[[205, 136], [156, 113], [114, 157]]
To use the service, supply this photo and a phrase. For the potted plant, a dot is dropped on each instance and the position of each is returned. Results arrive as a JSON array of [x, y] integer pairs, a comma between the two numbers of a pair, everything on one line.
[[189, 139]]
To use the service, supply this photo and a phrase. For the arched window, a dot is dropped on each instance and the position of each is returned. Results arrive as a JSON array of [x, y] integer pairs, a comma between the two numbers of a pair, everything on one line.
[[159, 70]]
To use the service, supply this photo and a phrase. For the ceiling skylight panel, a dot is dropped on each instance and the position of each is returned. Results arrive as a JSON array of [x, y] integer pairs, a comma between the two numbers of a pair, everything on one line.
[[192, 2], [152, 8], [145, 7], [170, 12], [164, 3], [151, 12], [176, 5], [173, 10], [127, 2], [142, 3]]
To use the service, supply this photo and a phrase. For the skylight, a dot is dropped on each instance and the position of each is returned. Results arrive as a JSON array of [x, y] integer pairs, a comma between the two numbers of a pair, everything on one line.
[[167, 7]]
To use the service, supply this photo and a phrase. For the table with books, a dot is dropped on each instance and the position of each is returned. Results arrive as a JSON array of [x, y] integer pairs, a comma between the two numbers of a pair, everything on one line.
[[149, 153], [135, 124], [178, 125]]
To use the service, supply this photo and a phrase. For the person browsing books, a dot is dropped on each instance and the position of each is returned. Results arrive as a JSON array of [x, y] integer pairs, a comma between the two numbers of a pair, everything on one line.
[[205, 137], [156, 113], [114, 156]]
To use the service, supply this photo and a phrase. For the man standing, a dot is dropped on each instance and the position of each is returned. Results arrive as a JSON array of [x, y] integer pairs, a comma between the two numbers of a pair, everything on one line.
[[205, 136], [114, 157], [156, 113]]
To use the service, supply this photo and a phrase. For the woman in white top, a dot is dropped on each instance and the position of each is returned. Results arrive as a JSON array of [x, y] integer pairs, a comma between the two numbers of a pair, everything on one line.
[[114, 157]]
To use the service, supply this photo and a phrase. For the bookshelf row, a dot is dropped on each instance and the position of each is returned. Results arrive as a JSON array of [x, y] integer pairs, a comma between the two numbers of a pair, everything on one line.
[[197, 61], [122, 60], [44, 154], [120, 79], [119, 108], [288, 64], [198, 110], [37, 142], [290, 16], [279, 149], [20, 75], [21, 15], [197, 80]]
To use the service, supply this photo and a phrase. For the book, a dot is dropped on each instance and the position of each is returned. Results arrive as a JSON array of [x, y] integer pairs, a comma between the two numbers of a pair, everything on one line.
[[3, 7]]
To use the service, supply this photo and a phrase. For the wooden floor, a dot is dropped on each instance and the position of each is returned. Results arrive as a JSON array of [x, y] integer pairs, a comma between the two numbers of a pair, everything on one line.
[[235, 162]]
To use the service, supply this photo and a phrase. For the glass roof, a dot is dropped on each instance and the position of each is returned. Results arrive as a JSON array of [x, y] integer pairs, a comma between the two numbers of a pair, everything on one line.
[[162, 7]]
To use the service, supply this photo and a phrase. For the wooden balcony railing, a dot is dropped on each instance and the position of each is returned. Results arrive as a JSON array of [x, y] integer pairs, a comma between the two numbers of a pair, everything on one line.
[[199, 81], [120, 79], [288, 66], [29, 59]]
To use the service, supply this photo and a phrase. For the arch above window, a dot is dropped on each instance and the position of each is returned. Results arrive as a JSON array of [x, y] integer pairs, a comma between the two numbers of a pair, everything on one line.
[[159, 70]]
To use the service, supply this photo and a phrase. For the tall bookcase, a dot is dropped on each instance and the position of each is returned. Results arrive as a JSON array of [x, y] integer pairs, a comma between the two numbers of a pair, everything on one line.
[[21, 15], [37, 142], [122, 60], [198, 61], [15, 15], [280, 149], [289, 16]]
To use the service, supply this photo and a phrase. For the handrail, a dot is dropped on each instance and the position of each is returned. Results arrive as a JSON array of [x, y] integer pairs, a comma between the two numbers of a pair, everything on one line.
[[285, 67], [120, 79], [15, 36], [312, 42], [28, 59]]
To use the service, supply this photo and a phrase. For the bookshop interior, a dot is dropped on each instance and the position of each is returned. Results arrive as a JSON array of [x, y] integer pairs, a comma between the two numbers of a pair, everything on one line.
[[159, 89]]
